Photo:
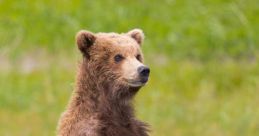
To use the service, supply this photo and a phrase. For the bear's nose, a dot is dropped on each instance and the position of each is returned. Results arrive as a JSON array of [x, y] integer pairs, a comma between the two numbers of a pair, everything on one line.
[[143, 71]]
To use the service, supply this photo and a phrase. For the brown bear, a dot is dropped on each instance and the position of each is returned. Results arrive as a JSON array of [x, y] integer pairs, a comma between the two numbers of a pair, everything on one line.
[[110, 74]]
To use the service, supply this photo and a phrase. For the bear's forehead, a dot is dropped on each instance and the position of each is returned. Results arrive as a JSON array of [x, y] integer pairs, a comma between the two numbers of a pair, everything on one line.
[[117, 40], [115, 37]]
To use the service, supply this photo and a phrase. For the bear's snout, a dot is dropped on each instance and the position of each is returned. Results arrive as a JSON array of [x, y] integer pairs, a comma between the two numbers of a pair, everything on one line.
[[143, 72]]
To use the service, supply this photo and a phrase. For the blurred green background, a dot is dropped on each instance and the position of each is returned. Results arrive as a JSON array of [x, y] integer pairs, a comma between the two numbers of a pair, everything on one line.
[[203, 56]]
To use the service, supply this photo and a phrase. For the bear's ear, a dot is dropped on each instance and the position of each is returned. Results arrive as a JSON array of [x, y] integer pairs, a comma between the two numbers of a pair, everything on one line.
[[137, 34], [84, 40]]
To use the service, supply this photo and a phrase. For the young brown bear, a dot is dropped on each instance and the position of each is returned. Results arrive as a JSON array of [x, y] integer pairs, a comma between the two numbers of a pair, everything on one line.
[[110, 74]]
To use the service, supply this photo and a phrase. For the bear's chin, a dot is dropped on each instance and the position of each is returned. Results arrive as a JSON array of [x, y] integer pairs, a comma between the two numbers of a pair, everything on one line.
[[136, 84]]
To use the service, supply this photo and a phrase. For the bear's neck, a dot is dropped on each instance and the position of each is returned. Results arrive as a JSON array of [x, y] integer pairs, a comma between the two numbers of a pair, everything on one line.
[[91, 98]]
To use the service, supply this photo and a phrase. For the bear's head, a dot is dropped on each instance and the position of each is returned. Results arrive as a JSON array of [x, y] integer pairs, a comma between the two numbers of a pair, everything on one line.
[[114, 58]]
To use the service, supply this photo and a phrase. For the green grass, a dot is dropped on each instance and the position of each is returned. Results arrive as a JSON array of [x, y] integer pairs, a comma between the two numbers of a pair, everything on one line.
[[203, 57]]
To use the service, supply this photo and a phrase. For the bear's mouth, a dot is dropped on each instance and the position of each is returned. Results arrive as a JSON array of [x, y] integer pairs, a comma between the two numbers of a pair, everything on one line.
[[137, 83]]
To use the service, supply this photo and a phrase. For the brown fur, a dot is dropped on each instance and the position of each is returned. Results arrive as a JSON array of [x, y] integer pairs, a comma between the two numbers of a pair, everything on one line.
[[101, 102]]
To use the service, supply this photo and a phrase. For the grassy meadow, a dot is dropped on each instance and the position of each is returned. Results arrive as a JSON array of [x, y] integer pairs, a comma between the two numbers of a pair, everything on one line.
[[203, 56]]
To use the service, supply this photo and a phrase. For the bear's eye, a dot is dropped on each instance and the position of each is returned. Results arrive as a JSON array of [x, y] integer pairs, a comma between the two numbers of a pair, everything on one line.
[[138, 57], [118, 58]]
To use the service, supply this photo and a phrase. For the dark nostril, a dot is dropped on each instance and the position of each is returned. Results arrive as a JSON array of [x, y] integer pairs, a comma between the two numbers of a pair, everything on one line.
[[143, 71]]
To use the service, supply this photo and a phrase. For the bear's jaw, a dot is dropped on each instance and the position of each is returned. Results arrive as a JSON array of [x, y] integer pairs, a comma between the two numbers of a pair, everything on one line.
[[136, 84]]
